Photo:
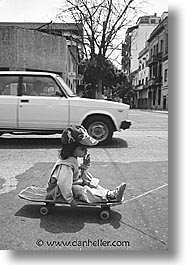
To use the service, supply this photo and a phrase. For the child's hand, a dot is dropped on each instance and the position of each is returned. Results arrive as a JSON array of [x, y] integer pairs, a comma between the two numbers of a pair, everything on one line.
[[87, 160], [74, 203]]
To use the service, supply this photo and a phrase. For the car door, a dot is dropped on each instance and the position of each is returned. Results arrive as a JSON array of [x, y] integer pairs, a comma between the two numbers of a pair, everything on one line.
[[8, 100], [42, 105]]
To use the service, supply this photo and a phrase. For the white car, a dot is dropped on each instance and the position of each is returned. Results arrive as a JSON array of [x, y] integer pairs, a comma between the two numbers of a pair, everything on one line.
[[40, 102]]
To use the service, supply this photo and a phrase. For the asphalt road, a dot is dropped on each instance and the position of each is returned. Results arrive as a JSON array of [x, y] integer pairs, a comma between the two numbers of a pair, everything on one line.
[[138, 156]]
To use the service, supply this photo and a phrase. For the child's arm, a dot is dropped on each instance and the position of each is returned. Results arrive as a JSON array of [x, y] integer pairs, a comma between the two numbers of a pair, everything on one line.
[[85, 175]]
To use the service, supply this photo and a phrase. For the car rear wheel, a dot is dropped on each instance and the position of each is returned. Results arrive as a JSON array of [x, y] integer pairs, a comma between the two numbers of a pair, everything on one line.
[[100, 128]]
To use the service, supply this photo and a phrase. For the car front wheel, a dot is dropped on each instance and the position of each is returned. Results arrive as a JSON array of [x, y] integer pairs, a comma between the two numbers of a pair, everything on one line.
[[100, 128]]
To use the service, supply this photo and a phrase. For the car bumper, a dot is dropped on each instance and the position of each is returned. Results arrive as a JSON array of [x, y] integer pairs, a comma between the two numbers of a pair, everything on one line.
[[125, 124]]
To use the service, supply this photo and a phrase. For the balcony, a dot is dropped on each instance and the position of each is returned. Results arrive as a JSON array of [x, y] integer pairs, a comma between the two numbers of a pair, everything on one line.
[[158, 80], [146, 85], [151, 82], [154, 81], [152, 60], [139, 87], [160, 56], [155, 58]]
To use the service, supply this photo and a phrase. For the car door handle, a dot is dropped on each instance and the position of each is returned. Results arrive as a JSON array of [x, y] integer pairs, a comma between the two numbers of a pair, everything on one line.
[[24, 100]]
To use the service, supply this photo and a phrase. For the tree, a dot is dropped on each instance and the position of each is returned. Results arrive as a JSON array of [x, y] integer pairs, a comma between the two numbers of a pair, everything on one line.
[[124, 88], [102, 22], [92, 71]]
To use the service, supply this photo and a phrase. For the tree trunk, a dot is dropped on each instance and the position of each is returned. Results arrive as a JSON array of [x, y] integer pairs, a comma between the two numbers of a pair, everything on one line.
[[100, 87]]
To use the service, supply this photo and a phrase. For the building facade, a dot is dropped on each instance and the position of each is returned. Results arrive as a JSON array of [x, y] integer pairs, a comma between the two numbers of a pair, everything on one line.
[[140, 81], [149, 76], [42, 47], [152, 92], [134, 42]]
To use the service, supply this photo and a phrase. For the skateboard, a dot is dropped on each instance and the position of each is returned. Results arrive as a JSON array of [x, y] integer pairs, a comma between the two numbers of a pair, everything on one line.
[[36, 194]]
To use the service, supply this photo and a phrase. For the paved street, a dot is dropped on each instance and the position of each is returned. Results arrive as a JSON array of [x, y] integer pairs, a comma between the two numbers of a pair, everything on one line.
[[138, 156]]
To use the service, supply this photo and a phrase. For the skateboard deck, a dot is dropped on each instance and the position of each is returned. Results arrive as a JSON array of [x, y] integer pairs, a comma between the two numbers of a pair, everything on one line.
[[37, 194]]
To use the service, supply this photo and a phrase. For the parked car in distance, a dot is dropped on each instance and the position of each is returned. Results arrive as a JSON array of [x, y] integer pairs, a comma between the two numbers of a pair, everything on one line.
[[40, 102]]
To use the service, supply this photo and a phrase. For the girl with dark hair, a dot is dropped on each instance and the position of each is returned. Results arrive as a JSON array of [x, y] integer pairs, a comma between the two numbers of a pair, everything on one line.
[[73, 182]]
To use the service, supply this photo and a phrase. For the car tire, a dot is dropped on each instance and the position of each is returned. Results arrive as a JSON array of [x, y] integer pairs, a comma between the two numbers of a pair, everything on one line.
[[100, 128]]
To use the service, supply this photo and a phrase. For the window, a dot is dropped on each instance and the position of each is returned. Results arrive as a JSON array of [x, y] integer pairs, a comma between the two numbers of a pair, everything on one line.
[[144, 20], [151, 53], [153, 21], [165, 75], [154, 72], [160, 70], [161, 48], [159, 97], [40, 86], [154, 97], [154, 50], [9, 85]]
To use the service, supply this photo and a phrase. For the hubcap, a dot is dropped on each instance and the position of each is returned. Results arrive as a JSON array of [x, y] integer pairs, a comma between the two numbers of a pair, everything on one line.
[[98, 130]]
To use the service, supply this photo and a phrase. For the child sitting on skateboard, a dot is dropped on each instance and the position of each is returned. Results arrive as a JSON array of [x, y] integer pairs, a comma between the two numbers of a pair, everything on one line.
[[73, 182]]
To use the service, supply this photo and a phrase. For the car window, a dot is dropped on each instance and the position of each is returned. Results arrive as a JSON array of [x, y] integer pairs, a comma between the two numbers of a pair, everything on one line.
[[40, 86], [9, 85], [65, 87]]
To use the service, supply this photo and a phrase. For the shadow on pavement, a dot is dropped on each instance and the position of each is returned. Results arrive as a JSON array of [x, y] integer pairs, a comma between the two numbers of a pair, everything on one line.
[[38, 143], [66, 219]]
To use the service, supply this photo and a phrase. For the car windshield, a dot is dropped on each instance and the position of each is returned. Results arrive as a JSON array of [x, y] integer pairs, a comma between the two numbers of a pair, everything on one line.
[[65, 87]]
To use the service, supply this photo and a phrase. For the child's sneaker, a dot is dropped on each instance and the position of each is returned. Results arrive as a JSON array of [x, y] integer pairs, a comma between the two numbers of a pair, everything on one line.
[[117, 193]]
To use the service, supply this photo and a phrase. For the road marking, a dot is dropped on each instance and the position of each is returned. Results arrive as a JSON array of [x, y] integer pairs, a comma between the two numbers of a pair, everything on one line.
[[146, 193]]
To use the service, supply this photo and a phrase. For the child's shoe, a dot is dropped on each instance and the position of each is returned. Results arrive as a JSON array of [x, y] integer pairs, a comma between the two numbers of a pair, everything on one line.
[[117, 193]]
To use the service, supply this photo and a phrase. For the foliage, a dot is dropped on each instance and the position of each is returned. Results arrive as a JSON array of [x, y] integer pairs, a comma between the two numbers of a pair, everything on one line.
[[115, 83], [102, 22]]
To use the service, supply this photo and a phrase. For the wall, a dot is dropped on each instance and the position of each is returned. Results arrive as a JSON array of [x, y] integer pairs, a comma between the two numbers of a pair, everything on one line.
[[8, 46], [22, 49], [138, 41], [165, 85]]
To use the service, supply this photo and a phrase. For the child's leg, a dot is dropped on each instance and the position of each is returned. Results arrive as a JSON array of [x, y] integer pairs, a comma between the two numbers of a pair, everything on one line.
[[101, 194], [79, 193], [90, 195], [98, 194]]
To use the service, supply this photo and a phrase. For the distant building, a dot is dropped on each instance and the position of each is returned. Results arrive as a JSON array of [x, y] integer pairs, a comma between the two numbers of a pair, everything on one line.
[[151, 80], [135, 39], [158, 63], [140, 81], [42, 47]]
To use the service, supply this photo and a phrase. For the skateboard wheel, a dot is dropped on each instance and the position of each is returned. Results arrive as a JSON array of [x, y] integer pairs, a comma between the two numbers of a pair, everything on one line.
[[44, 210], [104, 215]]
